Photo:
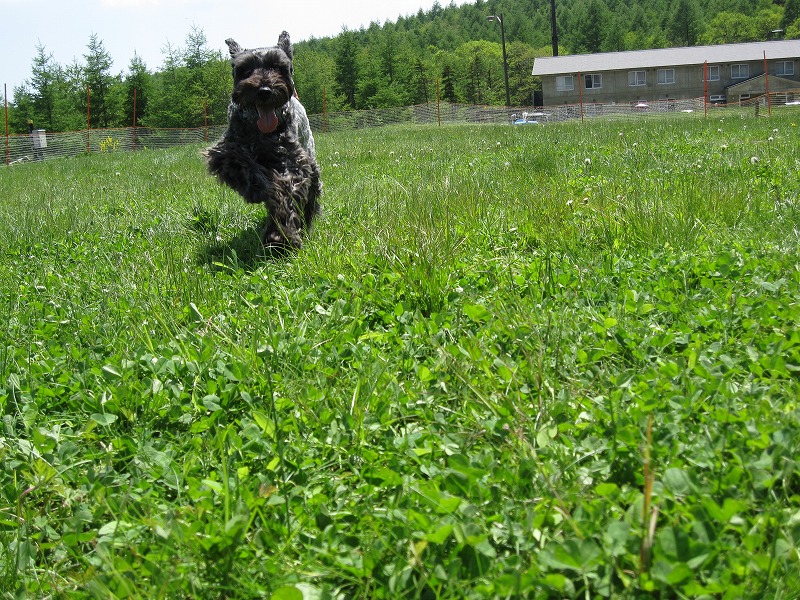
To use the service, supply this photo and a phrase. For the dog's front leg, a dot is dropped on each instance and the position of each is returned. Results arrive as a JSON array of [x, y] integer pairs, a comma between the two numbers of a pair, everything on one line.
[[240, 172]]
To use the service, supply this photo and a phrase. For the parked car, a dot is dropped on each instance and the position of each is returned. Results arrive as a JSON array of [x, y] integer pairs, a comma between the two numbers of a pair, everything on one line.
[[528, 118]]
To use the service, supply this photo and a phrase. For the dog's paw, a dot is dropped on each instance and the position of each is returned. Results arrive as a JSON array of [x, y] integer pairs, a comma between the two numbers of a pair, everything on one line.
[[277, 244]]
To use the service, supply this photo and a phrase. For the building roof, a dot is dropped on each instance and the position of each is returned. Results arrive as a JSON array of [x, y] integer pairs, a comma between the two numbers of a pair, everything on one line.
[[665, 57]]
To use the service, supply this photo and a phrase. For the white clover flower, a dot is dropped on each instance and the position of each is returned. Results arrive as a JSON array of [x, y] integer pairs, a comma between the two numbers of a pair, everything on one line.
[[770, 139], [587, 161], [753, 160], [724, 146], [775, 131], [499, 144]]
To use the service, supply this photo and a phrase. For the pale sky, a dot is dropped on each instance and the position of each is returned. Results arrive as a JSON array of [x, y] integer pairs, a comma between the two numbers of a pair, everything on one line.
[[145, 26]]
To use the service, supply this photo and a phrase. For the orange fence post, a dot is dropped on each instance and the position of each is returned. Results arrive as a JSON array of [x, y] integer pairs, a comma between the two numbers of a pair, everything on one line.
[[134, 118], [438, 104], [88, 121], [325, 108], [766, 83], [5, 94]]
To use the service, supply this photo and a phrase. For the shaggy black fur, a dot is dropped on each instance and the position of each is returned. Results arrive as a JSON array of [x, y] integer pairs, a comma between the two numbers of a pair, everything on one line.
[[267, 153]]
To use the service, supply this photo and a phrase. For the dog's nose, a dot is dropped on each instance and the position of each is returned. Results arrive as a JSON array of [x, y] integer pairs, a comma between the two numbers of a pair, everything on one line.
[[264, 94]]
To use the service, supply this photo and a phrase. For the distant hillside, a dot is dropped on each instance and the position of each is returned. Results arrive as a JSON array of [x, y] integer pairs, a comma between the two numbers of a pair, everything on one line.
[[399, 62]]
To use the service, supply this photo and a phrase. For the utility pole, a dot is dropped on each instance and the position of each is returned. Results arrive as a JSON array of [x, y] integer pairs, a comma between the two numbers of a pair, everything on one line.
[[499, 19]]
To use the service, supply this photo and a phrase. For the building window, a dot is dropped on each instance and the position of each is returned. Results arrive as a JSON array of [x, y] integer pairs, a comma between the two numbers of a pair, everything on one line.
[[740, 71], [784, 68], [712, 73], [636, 78], [593, 81], [666, 76], [564, 83]]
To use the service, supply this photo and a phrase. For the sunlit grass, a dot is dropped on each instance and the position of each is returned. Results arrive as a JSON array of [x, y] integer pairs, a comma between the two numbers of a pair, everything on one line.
[[446, 393]]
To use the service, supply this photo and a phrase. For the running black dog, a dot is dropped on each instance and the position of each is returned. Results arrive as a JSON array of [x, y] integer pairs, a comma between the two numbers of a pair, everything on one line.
[[267, 153]]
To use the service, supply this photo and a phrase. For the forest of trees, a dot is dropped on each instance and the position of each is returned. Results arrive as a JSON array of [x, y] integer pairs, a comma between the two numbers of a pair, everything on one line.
[[452, 51]]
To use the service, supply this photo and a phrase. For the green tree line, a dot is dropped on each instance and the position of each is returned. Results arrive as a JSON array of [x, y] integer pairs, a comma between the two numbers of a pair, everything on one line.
[[448, 52]]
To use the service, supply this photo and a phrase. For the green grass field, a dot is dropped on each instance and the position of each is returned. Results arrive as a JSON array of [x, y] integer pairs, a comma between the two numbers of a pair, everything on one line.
[[510, 362]]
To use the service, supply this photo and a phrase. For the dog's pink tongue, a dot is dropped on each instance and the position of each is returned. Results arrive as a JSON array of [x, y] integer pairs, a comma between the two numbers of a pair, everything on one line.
[[267, 120]]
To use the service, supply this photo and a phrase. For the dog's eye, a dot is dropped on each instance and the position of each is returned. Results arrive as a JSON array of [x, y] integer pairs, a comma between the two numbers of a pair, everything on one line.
[[244, 72]]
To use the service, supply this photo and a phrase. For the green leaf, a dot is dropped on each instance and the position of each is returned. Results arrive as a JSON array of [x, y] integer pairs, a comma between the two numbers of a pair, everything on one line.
[[574, 555], [440, 535], [111, 372], [104, 419], [287, 592], [383, 477], [194, 312], [211, 403], [477, 313], [678, 482]]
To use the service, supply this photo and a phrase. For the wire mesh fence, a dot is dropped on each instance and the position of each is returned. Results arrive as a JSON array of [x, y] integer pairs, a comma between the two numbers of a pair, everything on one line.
[[41, 145]]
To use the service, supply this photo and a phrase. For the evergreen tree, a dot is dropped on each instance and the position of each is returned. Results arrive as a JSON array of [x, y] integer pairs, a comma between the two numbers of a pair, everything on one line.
[[791, 13], [140, 80], [683, 26], [447, 88], [99, 79], [45, 75], [315, 81], [347, 66], [588, 24]]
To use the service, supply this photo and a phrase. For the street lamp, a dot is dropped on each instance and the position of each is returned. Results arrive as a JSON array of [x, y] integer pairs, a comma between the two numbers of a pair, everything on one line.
[[499, 19]]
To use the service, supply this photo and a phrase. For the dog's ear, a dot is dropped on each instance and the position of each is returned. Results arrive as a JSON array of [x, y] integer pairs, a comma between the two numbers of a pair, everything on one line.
[[233, 46], [285, 44]]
